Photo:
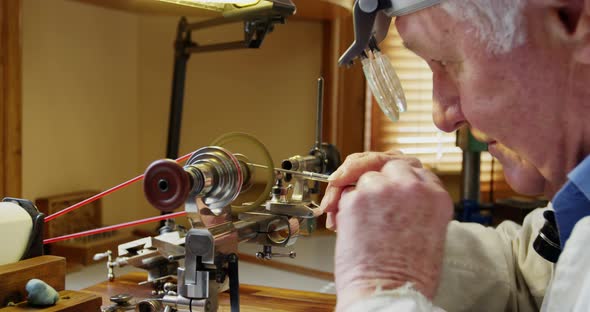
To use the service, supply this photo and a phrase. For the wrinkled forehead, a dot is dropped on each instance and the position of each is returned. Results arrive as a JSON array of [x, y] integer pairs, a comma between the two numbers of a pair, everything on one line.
[[429, 29]]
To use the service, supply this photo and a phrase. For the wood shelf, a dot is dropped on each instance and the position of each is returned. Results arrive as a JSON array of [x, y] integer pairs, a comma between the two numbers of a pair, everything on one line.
[[152, 7], [306, 9]]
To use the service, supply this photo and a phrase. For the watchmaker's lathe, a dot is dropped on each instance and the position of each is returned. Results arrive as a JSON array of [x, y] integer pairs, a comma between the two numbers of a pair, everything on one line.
[[189, 267]]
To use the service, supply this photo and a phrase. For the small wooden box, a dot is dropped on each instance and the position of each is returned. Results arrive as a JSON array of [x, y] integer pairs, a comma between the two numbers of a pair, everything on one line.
[[83, 219], [79, 250]]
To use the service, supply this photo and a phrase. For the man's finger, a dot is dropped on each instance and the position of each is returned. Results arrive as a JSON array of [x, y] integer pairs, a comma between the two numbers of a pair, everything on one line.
[[346, 194], [394, 152], [429, 177], [351, 170], [330, 200], [400, 170], [317, 212], [331, 221]]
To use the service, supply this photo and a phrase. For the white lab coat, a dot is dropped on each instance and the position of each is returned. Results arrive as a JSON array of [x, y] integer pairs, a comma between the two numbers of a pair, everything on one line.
[[570, 290], [487, 269]]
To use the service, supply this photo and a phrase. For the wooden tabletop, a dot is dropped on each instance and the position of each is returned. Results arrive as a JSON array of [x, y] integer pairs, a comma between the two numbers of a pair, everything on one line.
[[69, 301], [252, 298]]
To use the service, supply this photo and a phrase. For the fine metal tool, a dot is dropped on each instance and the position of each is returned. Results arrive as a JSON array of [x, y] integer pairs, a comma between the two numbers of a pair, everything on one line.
[[308, 175]]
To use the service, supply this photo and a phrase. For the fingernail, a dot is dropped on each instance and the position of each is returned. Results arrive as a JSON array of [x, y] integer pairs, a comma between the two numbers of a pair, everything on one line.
[[329, 222], [317, 212], [335, 175]]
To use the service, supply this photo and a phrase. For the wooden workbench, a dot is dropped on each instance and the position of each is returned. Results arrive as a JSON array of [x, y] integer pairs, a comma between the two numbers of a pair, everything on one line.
[[252, 298]]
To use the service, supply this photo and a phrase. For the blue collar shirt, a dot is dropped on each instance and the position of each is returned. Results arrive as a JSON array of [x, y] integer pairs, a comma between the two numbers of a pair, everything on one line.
[[572, 202]]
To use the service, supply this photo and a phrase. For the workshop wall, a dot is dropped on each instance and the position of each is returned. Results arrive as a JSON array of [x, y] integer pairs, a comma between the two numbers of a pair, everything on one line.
[[96, 92], [80, 106], [269, 92]]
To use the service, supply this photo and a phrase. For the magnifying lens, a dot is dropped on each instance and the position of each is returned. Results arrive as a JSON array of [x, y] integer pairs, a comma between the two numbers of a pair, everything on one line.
[[371, 24], [383, 82]]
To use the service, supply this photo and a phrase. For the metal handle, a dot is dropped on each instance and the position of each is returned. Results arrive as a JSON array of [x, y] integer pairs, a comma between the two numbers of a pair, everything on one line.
[[319, 115]]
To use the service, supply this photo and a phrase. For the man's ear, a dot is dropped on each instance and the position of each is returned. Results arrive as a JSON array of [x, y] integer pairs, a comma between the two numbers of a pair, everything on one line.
[[582, 36]]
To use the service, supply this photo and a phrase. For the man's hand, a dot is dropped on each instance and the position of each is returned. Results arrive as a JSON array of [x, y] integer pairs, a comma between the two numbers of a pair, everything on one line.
[[391, 225]]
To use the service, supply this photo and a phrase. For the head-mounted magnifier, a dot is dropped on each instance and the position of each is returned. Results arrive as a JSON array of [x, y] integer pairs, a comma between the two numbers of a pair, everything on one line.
[[371, 24]]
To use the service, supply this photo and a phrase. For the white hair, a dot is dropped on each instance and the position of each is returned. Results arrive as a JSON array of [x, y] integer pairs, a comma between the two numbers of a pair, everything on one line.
[[498, 23]]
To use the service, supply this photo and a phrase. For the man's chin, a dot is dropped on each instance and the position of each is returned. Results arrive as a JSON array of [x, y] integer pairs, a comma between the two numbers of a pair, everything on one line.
[[521, 175], [525, 182]]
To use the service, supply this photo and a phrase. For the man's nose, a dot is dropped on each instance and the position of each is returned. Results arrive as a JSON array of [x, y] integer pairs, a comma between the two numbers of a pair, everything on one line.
[[447, 118], [446, 110]]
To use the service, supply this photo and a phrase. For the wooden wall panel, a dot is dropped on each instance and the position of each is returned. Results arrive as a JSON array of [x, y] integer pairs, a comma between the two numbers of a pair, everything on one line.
[[344, 111], [10, 98], [2, 113], [351, 97], [345, 87]]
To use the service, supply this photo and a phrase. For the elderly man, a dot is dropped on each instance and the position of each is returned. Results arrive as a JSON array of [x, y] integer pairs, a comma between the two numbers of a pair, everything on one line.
[[518, 73]]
